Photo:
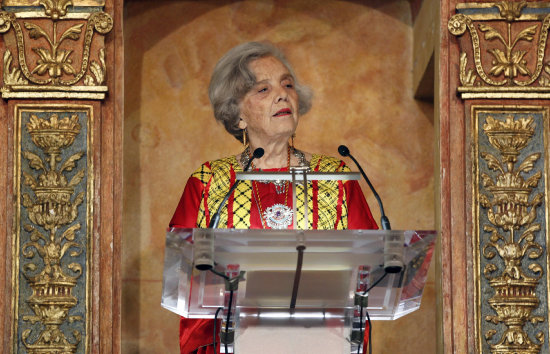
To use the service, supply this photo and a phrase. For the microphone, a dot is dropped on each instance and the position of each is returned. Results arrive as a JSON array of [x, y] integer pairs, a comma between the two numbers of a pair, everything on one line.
[[393, 250], [258, 153], [344, 151]]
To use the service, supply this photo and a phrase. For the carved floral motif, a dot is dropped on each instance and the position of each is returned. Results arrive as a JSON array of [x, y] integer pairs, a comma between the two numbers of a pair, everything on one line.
[[52, 207], [56, 65], [509, 65], [511, 212]]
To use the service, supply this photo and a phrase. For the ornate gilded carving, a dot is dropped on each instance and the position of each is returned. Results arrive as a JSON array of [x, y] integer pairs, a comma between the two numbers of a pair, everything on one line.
[[53, 251], [467, 76], [514, 264], [510, 11], [51, 209], [12, 75], [55, 8], [55, 69], [508, 62]]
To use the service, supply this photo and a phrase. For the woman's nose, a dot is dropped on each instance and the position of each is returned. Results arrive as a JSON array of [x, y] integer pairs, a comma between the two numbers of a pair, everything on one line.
[[281, 95]]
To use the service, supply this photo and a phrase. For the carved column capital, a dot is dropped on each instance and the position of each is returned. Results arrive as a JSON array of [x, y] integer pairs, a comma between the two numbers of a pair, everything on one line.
[[55, 50]]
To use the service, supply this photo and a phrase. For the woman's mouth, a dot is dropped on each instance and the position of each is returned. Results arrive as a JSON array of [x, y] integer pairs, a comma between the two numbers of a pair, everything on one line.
[[283, 112]]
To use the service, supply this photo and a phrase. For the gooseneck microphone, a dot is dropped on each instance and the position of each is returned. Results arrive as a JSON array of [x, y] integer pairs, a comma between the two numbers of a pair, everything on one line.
[[344, 151], [258, 153]]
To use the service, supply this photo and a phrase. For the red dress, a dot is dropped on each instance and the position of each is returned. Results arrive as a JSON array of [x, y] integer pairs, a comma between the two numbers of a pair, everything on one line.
[[333, 205]]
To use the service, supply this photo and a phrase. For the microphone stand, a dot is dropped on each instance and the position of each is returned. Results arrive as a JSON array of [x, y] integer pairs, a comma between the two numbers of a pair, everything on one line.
[[344, 151]]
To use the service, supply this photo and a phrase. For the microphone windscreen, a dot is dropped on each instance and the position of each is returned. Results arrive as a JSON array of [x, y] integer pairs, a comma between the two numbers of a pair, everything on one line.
[[259, 152], [343, 150]]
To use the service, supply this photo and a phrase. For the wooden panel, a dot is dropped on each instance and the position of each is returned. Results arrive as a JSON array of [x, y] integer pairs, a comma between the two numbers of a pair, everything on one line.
[[62, 149], [493, 176]]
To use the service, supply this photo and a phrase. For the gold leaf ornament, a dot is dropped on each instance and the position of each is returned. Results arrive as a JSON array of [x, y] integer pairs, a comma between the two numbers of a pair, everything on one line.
[[529, 233], [102, 21], [457, 24], [488, 269], [533, 181], [75, 267], [72, 33], [486, 180], [490, 333], [467, 76], [97, 70], [528, 164], [69, 234], [490, 33], [527, 34], [36, 31], [5, 21], [55, 8], [492, 162], [70, 163], [510, 10], [12, 74], [77, 178], [510, 66]]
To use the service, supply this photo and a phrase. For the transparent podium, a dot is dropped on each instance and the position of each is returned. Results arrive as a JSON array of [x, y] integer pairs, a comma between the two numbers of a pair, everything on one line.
[[302, 284]]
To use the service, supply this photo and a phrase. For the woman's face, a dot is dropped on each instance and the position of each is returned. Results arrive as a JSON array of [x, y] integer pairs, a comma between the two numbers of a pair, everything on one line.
[[269, 110]]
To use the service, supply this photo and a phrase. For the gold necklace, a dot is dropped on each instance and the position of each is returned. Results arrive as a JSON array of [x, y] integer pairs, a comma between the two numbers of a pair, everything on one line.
[[277, 216], [280, 186]]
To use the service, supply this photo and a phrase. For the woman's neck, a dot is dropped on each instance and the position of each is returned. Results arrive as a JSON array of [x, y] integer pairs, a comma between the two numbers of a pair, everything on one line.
[[275, 156]]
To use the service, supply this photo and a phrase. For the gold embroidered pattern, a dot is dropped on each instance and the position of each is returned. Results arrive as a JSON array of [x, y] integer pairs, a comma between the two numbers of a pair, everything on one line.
[[216, 180]]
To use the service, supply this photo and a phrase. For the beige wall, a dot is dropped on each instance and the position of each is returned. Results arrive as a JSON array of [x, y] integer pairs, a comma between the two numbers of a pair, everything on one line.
[[356, 58]]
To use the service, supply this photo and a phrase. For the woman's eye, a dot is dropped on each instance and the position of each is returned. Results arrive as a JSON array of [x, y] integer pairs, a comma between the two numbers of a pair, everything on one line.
[[263, 89], [289, 85]]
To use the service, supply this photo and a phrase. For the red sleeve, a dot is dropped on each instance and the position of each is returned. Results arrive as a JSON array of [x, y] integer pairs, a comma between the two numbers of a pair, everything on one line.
[[359, 215], [188, 207], [194, 333]]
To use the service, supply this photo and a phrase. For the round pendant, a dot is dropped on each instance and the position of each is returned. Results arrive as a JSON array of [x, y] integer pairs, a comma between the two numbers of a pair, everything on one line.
[[278, 216]]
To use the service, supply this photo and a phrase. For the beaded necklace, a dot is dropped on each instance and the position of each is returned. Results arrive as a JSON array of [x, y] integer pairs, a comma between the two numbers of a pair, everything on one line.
[[277, 216]]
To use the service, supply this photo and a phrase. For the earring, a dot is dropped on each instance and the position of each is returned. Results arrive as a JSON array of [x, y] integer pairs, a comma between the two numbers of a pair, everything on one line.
[[244, 137], [292, 140]]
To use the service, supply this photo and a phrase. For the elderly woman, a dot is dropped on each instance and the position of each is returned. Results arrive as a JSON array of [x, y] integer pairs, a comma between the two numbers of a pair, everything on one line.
[[256, 95]]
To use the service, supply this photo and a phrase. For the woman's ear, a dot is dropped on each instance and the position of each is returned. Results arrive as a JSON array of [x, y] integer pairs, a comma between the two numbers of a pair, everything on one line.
[[242, 124]]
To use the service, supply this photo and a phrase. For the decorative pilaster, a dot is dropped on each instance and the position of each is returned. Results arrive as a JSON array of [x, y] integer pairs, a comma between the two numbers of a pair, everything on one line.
[[510, 190], [54, 239], [54, 79], [504, 80]]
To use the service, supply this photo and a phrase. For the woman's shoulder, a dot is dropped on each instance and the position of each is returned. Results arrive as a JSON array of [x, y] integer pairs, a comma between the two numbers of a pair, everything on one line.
[[325, 163], [215, 167]]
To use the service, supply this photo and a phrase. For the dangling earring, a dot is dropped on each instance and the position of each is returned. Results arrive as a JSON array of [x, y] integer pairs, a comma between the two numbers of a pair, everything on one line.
[[292, 140], [244, 137]]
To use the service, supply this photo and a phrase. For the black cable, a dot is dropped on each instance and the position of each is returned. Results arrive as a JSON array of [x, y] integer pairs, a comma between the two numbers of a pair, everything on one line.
[[368, 317], [297, 276], [219, 274], [370, 333], [375, 283], [228, 317], [361, 329], [215, 322], [196, 351]]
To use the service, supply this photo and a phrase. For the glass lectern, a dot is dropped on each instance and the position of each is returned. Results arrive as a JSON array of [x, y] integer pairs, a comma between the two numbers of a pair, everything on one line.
[[321, 303]]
